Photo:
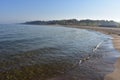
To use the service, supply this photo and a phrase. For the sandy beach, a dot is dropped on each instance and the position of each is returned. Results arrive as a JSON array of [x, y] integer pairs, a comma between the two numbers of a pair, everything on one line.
[[115, 33], [116, 74]]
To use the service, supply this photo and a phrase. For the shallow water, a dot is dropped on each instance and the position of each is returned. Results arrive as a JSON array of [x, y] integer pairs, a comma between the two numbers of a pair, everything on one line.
[[20, 38], [52, 51]]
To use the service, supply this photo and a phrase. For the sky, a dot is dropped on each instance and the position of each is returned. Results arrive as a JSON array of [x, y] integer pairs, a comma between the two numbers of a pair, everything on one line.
[[15, 11]]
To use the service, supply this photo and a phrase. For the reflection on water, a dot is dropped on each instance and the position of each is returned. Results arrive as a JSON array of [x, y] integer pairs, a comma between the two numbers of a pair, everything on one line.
[[29, 52]]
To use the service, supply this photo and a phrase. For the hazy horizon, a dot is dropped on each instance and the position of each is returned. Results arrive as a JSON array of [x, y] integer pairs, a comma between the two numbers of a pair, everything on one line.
[[16, 11]]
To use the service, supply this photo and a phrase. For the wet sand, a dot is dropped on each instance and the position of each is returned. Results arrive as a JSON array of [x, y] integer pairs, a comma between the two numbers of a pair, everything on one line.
[[115, 75], [115, 33]]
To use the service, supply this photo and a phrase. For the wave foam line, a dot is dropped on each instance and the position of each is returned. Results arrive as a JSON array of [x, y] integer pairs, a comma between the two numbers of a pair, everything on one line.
[[88, 57], [98, 45]]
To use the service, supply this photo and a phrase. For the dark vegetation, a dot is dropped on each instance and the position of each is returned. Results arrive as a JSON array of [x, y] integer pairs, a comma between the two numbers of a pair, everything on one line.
[[100, 23]]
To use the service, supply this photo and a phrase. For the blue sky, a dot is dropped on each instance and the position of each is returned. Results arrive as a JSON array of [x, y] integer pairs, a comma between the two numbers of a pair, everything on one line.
[[12, 11]]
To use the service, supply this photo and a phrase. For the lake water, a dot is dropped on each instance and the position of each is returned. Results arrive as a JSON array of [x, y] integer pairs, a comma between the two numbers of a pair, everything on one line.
[[54, 49], [15, 39]]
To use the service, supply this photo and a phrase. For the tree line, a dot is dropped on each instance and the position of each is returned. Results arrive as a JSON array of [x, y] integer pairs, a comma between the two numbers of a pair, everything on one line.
[[87, 22]]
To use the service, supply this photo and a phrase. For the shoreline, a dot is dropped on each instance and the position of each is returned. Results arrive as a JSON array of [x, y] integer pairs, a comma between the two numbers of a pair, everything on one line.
[[115, 33]]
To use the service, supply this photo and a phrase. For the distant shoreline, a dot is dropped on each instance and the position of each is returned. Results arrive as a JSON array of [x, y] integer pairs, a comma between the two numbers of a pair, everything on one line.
[[86, 22], [115, 33]]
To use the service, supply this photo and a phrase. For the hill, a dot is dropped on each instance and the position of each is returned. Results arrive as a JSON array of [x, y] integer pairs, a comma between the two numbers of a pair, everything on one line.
[[88, 22]]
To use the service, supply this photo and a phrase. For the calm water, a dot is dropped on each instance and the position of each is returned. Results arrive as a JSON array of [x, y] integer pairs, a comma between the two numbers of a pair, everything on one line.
[[16, 39], [55, 47]]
